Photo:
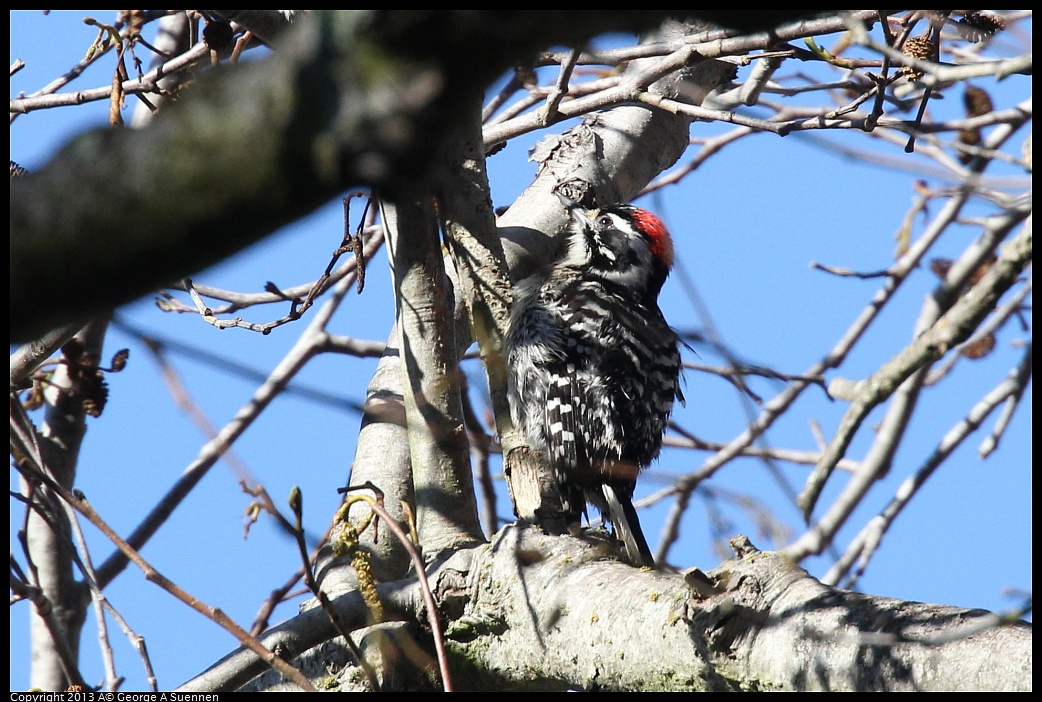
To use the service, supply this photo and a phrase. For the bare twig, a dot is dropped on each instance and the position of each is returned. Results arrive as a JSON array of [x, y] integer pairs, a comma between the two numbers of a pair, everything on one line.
[[296, 501], [950, 329], [1008, 309], [147, 83], [305, 348], [425, 589], [81, 505], [560, 89], [1020, 378], [272, 294], [865, 544], [28, 357], [101, 604]]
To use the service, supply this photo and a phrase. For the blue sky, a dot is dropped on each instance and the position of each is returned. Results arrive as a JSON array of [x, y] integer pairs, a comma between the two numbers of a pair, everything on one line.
[[746, 226]]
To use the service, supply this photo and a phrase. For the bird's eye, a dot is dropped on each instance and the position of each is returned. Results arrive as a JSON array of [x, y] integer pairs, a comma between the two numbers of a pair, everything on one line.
[[604, 221]]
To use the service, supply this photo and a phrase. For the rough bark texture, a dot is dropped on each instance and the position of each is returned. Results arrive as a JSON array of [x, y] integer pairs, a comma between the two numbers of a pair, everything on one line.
[[535, 612]]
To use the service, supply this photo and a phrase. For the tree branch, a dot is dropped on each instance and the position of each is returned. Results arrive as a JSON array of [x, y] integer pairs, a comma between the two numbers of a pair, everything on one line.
[[552, 619], [351, 97], [952, 328], [446, 508]]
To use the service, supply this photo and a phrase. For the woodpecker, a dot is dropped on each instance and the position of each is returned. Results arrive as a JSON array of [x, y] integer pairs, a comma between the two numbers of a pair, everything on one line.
[[594, 367]]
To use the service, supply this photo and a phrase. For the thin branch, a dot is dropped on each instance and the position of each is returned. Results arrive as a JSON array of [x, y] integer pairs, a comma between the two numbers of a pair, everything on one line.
[[950, 329], [867, 542], [80, 504], [773, 452], [1021, 377], [330, 343], [146, 84], [848, 273], [986, 332], [937, 74], [101, 604], [710, 146], [241, 300], [304, 349], [296, 501], [896, 418], [425, 590], [481, 448], [516, 83], [538, 94], [749, 93], [28, 357], [560, 89], [702, 113]]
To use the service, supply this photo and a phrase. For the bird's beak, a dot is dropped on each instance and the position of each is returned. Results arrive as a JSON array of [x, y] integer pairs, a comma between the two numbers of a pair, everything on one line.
[[575, 211], [568, 202]]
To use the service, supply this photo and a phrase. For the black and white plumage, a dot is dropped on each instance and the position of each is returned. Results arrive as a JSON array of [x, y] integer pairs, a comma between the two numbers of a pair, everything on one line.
[[594, 367]]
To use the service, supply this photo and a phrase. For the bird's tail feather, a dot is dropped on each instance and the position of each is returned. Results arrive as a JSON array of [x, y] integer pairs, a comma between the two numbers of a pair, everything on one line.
[[626, 525]]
